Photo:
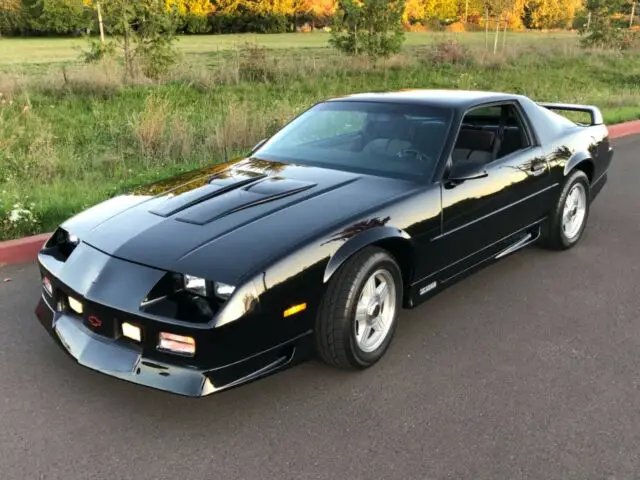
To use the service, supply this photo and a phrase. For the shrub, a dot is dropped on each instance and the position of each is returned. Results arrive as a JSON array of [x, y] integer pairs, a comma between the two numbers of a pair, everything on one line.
[[603, 32], [254, 64], [414, 27], [449, 52], [456, 27], [18, 219], [373, 27]]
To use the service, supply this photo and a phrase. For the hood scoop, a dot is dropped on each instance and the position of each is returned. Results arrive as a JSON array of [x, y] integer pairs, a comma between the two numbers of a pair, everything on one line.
[[240, 198], [177, 201]]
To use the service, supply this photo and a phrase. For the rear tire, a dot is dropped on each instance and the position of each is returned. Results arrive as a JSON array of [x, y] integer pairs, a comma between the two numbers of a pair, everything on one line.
[[359, 312], [568, 219]]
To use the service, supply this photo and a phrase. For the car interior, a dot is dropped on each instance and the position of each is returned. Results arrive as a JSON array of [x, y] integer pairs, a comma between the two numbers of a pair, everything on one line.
[[409, 143], [488, 134]]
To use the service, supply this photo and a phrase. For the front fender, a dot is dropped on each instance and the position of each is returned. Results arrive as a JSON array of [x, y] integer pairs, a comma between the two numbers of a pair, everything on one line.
[[360, 241]]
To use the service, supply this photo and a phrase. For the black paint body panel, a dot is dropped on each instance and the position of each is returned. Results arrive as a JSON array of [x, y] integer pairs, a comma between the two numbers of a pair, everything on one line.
[[278, 232]]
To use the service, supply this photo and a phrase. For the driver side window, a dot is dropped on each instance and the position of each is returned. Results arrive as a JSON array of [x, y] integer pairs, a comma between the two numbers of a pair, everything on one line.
[[490, 133]]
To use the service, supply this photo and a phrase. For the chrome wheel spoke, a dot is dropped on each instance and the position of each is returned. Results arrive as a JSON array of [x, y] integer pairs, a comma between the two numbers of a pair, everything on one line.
[[378, 323], [365, 334], [574, 211], [370, 287], [383, 292], [375, 311]]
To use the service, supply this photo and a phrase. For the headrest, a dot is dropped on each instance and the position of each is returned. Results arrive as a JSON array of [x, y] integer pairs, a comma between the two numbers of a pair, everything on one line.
[[397, 129], [475, 140]]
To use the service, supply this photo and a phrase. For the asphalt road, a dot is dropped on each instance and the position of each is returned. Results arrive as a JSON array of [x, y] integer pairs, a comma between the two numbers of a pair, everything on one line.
[[528, 369]]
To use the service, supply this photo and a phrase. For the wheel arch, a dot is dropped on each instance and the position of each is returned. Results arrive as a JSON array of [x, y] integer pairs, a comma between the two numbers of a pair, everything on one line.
[[581, 161], [395, 241]]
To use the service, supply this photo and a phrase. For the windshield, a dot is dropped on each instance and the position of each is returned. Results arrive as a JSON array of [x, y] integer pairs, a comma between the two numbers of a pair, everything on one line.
[[384, 139]]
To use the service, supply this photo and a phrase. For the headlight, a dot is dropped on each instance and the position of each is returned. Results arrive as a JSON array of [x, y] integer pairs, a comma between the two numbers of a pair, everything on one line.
[[62, 243], [202, 287], [195, 285], [223, 290]]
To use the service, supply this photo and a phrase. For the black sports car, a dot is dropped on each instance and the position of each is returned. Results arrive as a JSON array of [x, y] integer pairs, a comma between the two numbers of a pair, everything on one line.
[[359, 207]]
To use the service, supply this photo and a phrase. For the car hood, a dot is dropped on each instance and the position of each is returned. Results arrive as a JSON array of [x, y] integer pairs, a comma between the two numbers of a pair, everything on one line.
[[232, 219]]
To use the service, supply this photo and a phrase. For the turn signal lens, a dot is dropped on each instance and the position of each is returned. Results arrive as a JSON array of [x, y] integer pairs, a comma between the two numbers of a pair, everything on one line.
[[295, 309], [177, 344], [132, 332], [75, 305]]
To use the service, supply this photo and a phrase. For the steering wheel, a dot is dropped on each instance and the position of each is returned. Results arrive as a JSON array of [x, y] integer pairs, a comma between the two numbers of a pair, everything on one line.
[[417, 154]]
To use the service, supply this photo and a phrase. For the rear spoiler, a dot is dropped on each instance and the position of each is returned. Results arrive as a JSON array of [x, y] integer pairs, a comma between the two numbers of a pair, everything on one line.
[[594, 112]]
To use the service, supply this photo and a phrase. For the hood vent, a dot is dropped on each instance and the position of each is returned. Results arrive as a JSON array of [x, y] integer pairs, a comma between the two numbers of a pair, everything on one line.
[[251, 195], [218, 186]]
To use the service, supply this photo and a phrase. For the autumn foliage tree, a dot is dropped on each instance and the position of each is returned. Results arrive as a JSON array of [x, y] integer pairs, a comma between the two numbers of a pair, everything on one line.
[[64, 17], [551, 13], [10, 15]]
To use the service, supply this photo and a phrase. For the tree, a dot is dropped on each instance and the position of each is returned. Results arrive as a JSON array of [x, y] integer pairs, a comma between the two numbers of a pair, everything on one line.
[[373, 27], [56, 16], [144, 31], [414, 10], [551, 13], [601, 31], [226, 7], [11, 15], [443, 10], [317, 9]]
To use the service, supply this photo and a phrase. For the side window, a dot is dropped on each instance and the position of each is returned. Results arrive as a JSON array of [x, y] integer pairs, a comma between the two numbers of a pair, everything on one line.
[[490, 133]]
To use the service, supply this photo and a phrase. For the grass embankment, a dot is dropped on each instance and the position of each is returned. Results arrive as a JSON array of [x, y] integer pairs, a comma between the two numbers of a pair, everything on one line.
[[72, 135]]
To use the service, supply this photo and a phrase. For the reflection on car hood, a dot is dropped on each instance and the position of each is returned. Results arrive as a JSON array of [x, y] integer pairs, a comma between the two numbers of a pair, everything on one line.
[[231, 218]]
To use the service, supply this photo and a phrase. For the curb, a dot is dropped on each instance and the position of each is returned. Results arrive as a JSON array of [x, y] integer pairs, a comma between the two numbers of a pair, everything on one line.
[[624, 129], [25, 249], [22, 249]]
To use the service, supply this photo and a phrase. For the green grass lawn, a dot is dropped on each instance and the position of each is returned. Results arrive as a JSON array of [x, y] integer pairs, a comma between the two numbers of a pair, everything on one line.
[[71, 138], [20, 51]]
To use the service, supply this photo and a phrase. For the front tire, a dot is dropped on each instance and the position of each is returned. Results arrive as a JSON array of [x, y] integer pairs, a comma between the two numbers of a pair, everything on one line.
[[359, 313], [568, 218]]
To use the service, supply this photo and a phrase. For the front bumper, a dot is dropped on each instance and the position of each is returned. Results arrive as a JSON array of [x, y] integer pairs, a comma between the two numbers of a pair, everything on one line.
[[127, 362]]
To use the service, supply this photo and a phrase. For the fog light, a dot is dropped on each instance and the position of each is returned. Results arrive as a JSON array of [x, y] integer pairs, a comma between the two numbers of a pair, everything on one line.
[[75, 305], [179, 344], [132, 332], [46, 284]]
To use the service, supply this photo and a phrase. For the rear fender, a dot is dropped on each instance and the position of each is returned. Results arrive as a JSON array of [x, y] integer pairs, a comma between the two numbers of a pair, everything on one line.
[[576, 159], [362, 240]]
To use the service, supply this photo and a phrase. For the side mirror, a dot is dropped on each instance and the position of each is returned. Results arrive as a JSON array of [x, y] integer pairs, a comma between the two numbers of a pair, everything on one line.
[[258, 145], [464, 171]]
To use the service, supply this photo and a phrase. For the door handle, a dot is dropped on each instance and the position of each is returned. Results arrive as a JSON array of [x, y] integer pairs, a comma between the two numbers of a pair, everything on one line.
[[538, 167]]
